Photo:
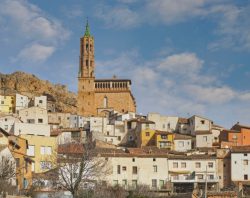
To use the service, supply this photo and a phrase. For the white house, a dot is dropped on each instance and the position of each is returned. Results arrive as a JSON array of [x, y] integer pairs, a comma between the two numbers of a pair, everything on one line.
[[198, 123], [31, 129], [188, 171], [21, 102], [40, 101], [182, 143], [7, 123], [77, 121], [204, 139], [130, 170], [240, 164]]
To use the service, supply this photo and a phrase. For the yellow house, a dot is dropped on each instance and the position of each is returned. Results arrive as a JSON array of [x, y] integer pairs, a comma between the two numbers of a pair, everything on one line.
[[7, 104], [164, 139], [18, 147], [161, 139], [42, 150]]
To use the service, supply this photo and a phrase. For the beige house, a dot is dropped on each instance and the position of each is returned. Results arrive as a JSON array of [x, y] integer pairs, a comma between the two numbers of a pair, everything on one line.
[[34, 115], [59, 120], [164, 123]]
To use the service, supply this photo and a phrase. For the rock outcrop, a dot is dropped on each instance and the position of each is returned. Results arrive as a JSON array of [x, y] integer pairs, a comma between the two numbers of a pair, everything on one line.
[[31, 86]]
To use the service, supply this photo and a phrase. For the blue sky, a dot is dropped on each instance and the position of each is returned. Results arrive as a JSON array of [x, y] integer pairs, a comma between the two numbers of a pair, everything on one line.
[[184, 57]]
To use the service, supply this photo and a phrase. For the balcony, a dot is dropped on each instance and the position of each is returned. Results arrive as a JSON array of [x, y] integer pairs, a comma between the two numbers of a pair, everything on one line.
[[190, 179]]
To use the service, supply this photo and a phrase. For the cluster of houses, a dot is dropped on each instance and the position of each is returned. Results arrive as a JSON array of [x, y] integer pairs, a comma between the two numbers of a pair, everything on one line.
[[166, 153]]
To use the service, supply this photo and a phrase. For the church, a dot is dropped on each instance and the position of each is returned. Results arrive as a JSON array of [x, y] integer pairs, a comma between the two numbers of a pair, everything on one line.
[[97, 97]]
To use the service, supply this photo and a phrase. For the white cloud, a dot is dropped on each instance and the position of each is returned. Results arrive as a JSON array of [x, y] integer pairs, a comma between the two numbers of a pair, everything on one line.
[[36, 53], [118, 17], [233, 27], [181, 63], [169, 11], [210, 94], [31, 25], [177, 85]]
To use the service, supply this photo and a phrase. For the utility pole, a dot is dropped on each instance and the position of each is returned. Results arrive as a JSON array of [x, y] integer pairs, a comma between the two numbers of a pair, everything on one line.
[[205, 194]]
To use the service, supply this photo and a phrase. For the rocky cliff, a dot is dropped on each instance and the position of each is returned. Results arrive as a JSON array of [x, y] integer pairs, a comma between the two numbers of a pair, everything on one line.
[[31, 86]]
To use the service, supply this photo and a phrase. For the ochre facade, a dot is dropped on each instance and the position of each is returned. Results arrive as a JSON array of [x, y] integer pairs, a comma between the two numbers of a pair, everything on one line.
[[96, 96]]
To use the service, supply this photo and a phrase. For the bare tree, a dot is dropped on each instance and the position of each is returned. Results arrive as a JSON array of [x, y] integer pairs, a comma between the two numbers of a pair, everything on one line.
[[7, 173], [77, 167]]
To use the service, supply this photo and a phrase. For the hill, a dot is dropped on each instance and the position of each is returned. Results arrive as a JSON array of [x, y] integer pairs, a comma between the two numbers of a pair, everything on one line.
[[30, 85]]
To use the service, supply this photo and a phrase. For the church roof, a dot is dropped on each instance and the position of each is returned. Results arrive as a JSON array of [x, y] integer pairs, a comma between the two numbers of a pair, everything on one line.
[[87, 31]]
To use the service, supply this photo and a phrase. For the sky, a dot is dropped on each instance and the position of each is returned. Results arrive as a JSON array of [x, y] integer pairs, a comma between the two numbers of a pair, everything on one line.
[[184, 57]]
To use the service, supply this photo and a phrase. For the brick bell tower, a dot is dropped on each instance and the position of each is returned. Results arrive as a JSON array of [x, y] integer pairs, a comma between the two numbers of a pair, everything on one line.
[[86, 75]]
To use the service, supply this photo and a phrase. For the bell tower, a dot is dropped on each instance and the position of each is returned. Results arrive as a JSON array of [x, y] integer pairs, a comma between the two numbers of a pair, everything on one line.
[[86, 75]]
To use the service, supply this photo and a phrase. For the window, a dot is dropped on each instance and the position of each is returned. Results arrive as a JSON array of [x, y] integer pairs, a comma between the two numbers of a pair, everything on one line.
[[181, 143], [124, 182], [133, 160], [210, 177], [197, 165], [119, 138], [161, 183], [33, 167], [134, 183], [155, 168], [245, 177], [175, 164], [154, 183], [154, 159], [163, 126], [183, 165], [105, 102], [48, 150], [40, 101], [245, 162], [31, 121], [210, 164], [87, 62], [40, 120], [42, 150], [134, 170], [115, 182], [5, 127], [45, 150], [204, 138], [147, 134], [202, 121], [5, 119], [2, 102], [235, 137], [124, 168], [199, 176], [245, 154], [31, 150], [118, 169], [163, 137]]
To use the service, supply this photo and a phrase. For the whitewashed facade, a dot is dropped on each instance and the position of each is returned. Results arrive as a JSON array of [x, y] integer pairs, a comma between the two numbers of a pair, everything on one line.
[[21, 102], [40, 101], [7, 123], [240, 165], [129, 171]]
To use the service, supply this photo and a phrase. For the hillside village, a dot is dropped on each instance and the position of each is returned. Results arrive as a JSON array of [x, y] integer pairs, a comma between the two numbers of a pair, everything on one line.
[[166, 153], [52, 146]]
